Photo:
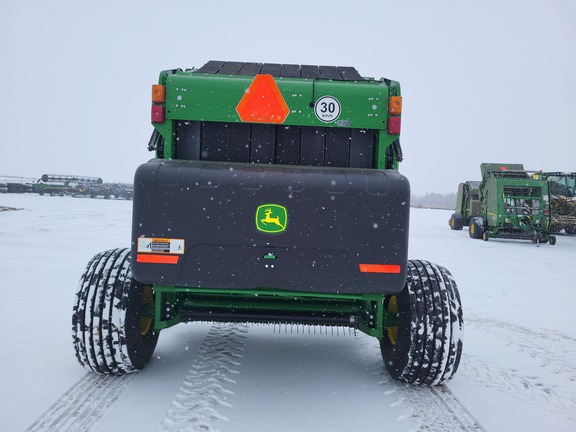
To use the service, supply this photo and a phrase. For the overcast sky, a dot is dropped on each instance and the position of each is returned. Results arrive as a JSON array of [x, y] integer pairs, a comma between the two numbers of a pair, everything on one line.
[[482, 81]]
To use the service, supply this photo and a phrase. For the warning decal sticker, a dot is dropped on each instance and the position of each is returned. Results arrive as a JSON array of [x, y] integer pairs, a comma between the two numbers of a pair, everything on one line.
[[160, 245]]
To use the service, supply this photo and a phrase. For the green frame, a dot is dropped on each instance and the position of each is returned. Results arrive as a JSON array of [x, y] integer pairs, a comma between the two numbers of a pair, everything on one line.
[[368, 310], [364, 104]]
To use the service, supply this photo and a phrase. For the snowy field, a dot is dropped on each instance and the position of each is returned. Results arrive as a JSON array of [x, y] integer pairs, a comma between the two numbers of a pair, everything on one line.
[[518, 371]]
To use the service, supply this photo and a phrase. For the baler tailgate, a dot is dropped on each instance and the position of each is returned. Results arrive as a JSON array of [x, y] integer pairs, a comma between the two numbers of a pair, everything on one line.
[[278, 227]]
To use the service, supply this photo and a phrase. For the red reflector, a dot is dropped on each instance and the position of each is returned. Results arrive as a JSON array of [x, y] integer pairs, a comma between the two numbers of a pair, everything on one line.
[[157, 114], [157, 259], [379, 268], [394, 125]]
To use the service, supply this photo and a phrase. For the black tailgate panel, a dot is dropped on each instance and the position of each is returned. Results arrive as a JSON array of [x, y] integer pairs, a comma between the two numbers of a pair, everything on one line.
[[337, 219]]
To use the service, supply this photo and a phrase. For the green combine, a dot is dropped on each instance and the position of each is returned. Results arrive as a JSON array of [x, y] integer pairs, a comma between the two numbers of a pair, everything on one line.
[[274, 197], [514, 205]]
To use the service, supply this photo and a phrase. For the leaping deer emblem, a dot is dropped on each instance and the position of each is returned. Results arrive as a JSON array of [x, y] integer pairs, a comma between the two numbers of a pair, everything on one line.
[[269, 219]]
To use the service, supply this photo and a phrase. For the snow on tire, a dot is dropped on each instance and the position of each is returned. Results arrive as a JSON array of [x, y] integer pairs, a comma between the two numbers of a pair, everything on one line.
[[426, 345], [111, 329]]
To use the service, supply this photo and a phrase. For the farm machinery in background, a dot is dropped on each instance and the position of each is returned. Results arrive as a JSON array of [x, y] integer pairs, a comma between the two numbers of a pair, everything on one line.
[[78, 186], [52, 184], [14, 184], [468, 204], [509, 202], [562, 187], [274, 197]]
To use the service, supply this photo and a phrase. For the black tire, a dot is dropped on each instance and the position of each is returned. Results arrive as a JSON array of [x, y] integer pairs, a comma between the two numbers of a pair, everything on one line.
[[426, 346], [112, 328], [552, 240], [456, 221], [476, 228]]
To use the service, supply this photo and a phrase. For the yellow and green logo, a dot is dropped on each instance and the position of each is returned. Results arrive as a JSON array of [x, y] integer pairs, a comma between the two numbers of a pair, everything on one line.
[[271, 218]]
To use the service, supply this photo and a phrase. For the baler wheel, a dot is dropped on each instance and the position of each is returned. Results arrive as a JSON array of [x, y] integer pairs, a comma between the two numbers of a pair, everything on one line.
[[112, 325], [426, 346], [456, 221], [476, 228]]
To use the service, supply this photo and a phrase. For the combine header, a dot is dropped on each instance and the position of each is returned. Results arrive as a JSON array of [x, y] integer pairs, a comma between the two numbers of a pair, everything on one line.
[[56, 184], [510, 203], [274, 197], [79, 186]]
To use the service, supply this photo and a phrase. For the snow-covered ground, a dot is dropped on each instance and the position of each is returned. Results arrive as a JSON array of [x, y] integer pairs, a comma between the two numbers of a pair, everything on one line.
[[518, 371]]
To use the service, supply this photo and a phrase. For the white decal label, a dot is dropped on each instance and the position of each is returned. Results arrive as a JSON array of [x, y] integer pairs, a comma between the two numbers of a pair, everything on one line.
[[327, 109], [160, 245]]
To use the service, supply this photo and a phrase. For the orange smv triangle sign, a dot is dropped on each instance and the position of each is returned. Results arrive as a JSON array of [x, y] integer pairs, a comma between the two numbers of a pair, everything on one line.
[[263, 102]]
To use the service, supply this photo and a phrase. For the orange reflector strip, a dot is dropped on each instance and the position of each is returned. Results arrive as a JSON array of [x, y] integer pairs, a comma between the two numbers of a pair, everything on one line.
[[158, 93], [379, 268], [157, 259]]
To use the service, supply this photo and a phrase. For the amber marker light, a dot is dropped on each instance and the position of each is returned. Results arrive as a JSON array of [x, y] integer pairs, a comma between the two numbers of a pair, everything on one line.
[[158, 93], [395, 105]]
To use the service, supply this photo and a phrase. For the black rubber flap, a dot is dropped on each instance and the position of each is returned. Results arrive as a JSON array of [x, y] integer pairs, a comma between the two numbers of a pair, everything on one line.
[[247, 226], [337, 73]]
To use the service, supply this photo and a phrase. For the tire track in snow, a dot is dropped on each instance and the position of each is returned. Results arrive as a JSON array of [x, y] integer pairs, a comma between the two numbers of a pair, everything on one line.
[[204, 393], [431, 409], [526, 388], [82, 405], [553, 349], [436, 409], [553, 352]]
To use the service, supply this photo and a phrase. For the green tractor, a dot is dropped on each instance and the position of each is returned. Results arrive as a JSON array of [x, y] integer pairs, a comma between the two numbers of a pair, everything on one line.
[[515, 205], [274, 197], [562, 200]]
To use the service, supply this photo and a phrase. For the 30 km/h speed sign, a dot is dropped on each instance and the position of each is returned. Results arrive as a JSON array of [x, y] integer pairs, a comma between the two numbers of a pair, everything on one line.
[[327, 109]]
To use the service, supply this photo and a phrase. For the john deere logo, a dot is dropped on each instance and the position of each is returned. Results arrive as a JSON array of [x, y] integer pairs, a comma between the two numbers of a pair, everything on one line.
[[271, 218]]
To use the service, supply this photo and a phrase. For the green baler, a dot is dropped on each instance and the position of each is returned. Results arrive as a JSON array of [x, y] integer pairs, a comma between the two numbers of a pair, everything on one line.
[[468, 205], [273, 197], [515, 205]]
